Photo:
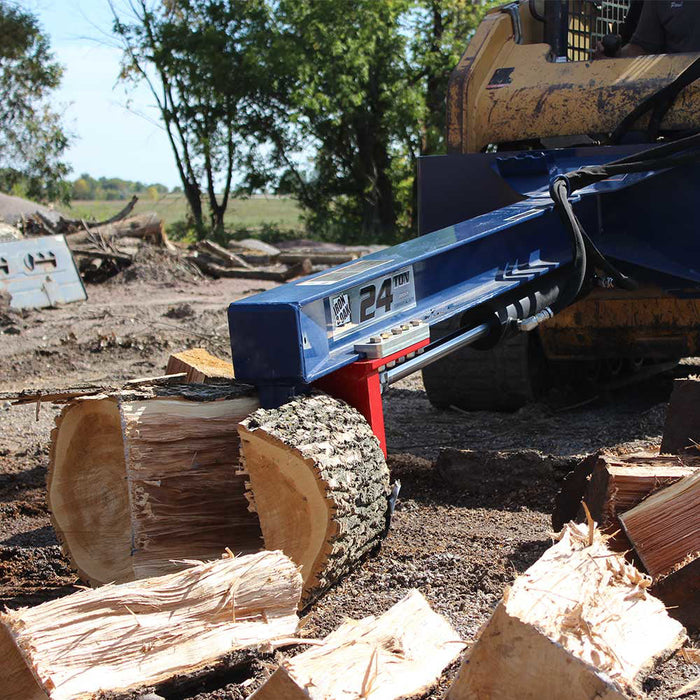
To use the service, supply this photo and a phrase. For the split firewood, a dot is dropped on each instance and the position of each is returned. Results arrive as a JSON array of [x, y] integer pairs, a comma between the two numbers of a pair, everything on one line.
[[144, 476], [123, 637], [682, 427], [199, 366], [578, 624], [400, 654], [610, 485], [665, 528], [319, 484]]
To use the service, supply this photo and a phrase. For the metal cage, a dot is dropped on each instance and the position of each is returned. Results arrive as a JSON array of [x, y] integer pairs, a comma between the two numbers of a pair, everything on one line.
[[589, 22]]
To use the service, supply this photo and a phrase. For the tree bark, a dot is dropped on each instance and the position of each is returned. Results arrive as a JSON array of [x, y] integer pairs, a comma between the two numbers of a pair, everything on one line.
[[578, 624], [119, 638], [319, 483], [400, 654], [139, 478]]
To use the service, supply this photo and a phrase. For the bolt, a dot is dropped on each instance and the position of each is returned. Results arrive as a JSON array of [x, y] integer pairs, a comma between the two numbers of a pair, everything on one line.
[[416, 322], [375, 339], [396, 330]]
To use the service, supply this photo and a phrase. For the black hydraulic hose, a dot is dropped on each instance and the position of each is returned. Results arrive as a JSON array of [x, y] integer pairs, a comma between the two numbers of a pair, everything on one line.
[[559, 191], [668, 155]]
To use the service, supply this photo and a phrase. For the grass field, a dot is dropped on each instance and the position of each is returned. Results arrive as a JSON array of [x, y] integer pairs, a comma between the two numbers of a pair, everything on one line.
[[252, 213]]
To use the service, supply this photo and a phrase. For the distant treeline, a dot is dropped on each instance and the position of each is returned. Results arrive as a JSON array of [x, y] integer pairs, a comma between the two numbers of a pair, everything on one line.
[[113, 188]]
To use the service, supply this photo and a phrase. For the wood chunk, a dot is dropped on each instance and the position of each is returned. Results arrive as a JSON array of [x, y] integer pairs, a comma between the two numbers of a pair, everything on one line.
[[319, 483], [230, 259], [400, 654], [140, 477], [680, 592], [610, 485], [123, 637], [200, 366], [682, 427], [578, 624], [665, 528]]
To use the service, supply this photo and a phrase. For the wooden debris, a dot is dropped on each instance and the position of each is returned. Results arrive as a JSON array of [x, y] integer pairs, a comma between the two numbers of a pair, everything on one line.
[[317, 258], [400, 654], [682, 427], [610, 485], [665, 528], [278, 273], [319, 483], [199, 366], [146, 475], [148, 227], [123, 637], [578, 624], [226, 257]]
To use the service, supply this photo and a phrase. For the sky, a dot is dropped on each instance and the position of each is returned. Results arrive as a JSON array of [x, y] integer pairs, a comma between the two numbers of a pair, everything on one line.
[[116, 128]]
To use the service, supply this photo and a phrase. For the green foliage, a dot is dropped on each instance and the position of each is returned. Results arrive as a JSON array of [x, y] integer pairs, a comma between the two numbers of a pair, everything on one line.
[[201, 60], [32, 139], [363, 90], [113, 189]]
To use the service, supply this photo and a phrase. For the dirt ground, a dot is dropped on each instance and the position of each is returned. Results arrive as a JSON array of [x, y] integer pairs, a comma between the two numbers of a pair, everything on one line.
[[460, 549]]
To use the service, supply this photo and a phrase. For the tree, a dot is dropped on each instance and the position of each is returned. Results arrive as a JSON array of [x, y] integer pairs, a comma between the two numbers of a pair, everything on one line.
[[32, 138], [200, 59], [362, 90]]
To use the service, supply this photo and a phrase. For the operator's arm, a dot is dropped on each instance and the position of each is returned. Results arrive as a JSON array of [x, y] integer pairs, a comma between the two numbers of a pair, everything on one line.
[[631, 50]]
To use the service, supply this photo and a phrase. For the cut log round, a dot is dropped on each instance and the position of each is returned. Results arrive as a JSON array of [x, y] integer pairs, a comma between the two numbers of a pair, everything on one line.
[[123, 637], [141, 477], [400, 654], [319, 483], [578, 624]]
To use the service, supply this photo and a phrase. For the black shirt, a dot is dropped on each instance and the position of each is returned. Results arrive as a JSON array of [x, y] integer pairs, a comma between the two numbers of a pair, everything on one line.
[[669, 26]]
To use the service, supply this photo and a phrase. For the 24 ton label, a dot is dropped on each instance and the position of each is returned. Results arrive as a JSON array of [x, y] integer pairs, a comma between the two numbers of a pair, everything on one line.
[[368, 302]]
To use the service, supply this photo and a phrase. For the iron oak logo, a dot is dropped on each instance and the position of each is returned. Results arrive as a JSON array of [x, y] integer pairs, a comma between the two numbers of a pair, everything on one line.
[[340, 306]]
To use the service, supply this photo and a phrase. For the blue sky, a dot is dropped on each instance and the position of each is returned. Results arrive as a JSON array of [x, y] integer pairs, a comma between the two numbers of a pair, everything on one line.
[[110, 139]]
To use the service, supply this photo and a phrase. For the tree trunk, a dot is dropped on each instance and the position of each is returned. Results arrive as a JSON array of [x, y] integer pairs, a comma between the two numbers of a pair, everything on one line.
[[119, 638], [319, 483], [578, 624], [140, 478], [665, 527], [400, 654]]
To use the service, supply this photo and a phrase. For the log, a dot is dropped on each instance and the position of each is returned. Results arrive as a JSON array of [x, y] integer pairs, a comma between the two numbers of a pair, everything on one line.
[[665, 528], [578, 624], [682, 427], [400, 654], [199, 366], [319, 484], [230, 259], [144, 476], [119, 638], [148, 227], [282, 274], [292, 257]]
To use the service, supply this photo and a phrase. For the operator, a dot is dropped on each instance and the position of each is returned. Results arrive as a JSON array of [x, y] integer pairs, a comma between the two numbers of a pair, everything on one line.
[[662, 26]]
